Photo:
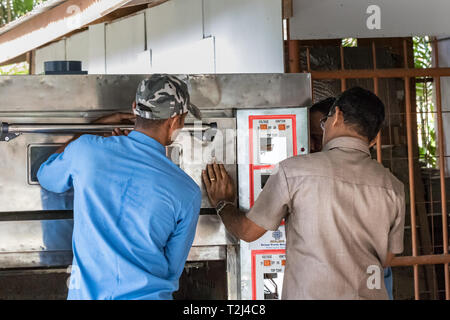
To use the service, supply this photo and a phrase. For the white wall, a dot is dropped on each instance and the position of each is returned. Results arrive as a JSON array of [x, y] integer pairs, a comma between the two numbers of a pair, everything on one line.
[[249, 35], [196, 57], [175, 38], [125, 46], [97, 49], [332, 19], [54, 51], [72, 48], [173, 24], [76, 49], [181, 36]]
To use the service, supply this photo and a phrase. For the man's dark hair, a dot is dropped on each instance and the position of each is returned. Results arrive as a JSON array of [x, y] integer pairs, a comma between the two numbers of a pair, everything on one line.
[[362, 109], [148, 123], [323, 106]]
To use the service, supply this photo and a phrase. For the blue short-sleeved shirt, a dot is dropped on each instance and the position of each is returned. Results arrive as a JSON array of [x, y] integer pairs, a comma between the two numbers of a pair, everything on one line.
[[135, 215]]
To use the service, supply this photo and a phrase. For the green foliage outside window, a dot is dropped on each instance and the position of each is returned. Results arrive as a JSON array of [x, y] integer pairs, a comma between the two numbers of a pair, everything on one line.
[[14, 69], [13, 9], [10, 10], [349, 42], [426, 126]]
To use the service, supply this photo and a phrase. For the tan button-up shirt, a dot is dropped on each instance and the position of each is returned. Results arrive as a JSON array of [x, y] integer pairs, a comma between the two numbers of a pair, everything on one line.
[[344, 211]]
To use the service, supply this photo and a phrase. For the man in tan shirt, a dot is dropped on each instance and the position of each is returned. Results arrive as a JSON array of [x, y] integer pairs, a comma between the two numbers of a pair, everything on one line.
[[344, 212]]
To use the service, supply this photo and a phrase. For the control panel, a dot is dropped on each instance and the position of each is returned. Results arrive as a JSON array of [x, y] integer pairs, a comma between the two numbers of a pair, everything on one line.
[[265, 137], [268, 272], [272, 139]]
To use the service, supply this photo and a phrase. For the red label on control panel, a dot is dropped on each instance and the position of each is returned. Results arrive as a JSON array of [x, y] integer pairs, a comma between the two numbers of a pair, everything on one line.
[[258, 252], [254, 167]]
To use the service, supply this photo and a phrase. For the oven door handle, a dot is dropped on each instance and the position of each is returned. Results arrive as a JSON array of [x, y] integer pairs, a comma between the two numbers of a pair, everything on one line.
[[11, 131]]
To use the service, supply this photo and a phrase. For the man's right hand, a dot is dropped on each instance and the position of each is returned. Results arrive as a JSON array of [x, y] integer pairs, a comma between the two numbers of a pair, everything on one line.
[[118, 132], [117, 118]]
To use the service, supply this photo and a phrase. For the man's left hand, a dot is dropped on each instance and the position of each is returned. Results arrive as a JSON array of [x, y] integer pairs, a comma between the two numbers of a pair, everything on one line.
[[218, 183]]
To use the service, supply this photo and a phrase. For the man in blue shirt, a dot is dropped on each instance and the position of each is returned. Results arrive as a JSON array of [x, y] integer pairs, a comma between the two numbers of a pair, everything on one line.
[[135, 212]]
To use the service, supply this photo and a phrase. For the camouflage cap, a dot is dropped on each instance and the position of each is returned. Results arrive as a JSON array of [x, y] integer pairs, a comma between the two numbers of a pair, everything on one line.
[[163, 96]]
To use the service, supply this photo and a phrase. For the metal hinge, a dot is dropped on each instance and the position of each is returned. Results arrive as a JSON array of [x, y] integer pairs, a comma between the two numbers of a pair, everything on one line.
[[5, 135]]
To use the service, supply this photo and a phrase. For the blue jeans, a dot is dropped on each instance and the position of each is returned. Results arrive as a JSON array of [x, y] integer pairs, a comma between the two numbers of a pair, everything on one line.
[[388, 281]]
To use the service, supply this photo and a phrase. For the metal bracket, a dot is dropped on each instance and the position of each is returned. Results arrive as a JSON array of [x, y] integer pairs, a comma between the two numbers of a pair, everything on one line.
[[5, 135]]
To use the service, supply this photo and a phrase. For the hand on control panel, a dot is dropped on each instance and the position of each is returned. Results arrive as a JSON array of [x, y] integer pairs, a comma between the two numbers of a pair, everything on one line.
[[218, 183]]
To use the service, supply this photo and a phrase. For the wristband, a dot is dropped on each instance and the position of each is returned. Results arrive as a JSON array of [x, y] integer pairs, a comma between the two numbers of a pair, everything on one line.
[[221, 205]]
